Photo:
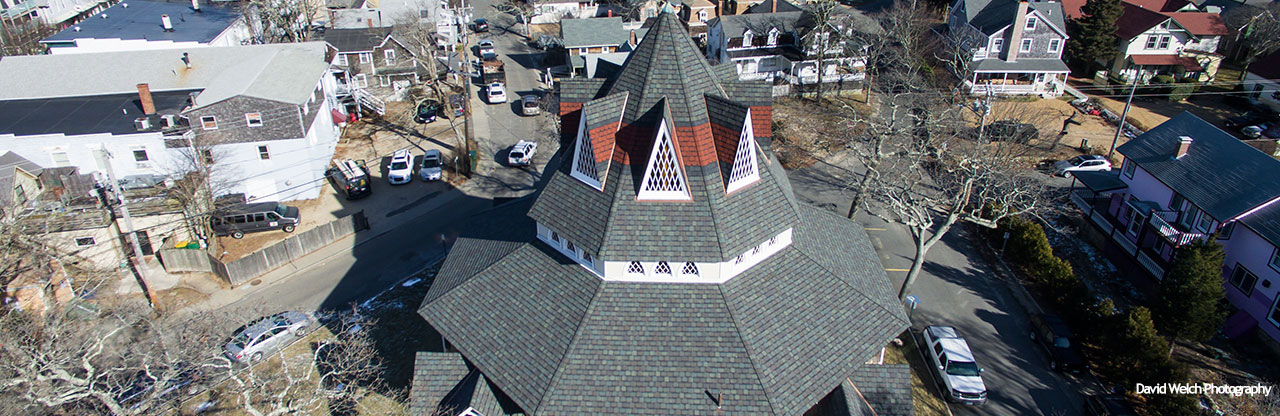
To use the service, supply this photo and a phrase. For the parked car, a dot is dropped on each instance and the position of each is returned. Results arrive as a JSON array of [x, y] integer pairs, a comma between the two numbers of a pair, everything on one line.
[[350, 178], [237, 220], [188, 381], [529, 105], [1107, 405], [480, 25], [426, 111], [522, 153], [955, 366], [1012, 131], [1082, 163], [1257, 131], [1246, 119], [1052, 334], [266, 335], [487, 50], [457, 102], [497, 93], [431, 166], [400, 171]]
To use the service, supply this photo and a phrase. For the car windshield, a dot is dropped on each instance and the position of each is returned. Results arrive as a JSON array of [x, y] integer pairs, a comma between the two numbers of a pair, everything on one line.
[[281, 209], [1076, 161], [240, 339], [1062, 342], [517, 155], [431, 162], [399, 165], [962, 368]]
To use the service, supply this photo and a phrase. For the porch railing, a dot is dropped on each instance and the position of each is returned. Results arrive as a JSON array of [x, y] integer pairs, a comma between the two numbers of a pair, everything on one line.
[[1150, 265], [1166, 229]]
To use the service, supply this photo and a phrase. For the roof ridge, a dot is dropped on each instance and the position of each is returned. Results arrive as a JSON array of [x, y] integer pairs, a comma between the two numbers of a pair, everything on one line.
[[755, 370], [476, 273], [560, 364], [833, 273]]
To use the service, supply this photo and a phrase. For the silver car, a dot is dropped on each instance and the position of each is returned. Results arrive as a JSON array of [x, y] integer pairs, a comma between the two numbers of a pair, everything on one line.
[[266, 335], [431, 166]]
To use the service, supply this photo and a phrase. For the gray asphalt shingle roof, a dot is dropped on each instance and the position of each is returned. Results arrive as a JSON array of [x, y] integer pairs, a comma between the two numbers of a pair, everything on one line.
[[140, 19], [667, 65], [596, 31], [989, 16], [1022, 64], [1219, 174], [886, 387], [759, 24], [357, 40]]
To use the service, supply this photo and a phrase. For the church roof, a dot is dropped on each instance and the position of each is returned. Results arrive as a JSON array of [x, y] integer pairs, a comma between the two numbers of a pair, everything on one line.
[[775, 336]]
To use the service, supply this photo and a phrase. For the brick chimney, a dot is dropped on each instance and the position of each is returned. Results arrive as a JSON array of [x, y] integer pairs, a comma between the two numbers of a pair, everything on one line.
[[633, 40], [144, 95], [774, 7], [1015, 36], [1184, 145]]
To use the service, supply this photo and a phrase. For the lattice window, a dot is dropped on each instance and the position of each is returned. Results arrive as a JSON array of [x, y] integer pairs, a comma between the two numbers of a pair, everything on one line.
[[555, 237], [662, 268], [585, 162], [744, 171], [773, 240], [689, 269], [663, 179], [635, 268], [755, 250], [570, 245], [586, 257], [738, 260]]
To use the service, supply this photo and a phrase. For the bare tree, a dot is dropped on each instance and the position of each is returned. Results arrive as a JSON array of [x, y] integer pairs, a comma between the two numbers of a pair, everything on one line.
[[523, 11], [18, 38], [825, 34], [281, 21], [200, 180], [1257, 29]]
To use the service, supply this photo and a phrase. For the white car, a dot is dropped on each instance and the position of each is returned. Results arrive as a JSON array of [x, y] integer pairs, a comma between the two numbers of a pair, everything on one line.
[[430, 169], [1084, 163], [400, 171], [953, 363], [497, 93], [487, 50], [522, 153]]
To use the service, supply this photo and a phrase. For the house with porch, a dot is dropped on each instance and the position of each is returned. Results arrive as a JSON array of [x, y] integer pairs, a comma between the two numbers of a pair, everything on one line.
[[784, 46], [1016, 46], [373, 60], [1181, 44], [1184, 181], [590, 41]]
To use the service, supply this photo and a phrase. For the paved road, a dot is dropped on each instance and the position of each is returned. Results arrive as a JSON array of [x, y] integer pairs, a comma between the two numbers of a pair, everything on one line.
[[955, 288]]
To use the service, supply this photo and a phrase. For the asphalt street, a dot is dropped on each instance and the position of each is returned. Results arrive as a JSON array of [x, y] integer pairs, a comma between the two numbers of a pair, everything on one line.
[[956, 288]]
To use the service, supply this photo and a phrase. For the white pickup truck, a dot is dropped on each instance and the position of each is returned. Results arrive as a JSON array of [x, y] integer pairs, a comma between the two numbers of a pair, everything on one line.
[[522, 153], [953, 363]]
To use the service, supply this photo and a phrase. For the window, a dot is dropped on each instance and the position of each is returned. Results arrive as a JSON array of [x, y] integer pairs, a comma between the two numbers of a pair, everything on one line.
[[1274, 315], [569, 245], [384, 81], [746, 38], [390, 54], [361, 81], [1129, 168], [582, 51], [1159, 245], [1055, 45], [20, 195], [586, 257], [1244, 280], [1164, 42], [555, 237], [1031, 23], [1175, 203], [85, 242], [263, 153], [773, 37], [209, 122], [1135, 221], [689, 269], [253, 119], [366, 58], [635, 268], [208, 156], [997, 45], [702, 15], [1275, 259], [663, 268], [1224, 233], [1151, 42], [1204, 223], [1026, 46], [342, 59], [60, 159], [140, 156]]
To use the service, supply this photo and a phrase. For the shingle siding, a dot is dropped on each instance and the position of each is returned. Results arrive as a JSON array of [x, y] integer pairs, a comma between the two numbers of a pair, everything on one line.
[[280, 121]]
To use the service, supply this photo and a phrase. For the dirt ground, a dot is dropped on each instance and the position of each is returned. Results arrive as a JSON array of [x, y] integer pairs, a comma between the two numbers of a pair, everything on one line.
[[372, 140]]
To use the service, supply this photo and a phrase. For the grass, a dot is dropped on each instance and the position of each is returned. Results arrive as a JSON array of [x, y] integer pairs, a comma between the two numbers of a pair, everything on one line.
[[925, 398]]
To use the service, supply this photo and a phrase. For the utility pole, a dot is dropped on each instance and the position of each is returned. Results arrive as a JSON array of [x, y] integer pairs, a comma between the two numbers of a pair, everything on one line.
[[104, 158], [1125, 114]]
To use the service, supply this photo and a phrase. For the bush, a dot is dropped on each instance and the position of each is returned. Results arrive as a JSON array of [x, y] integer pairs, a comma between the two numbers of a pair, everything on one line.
[[1027, 246]]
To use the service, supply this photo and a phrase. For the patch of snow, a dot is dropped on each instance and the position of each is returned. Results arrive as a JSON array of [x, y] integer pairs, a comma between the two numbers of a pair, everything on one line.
[[410, 282]]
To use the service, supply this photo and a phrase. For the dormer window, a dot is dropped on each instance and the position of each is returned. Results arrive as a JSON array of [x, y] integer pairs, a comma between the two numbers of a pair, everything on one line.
[[1031, 23], [773, 37], [997, 45], [746, 38]]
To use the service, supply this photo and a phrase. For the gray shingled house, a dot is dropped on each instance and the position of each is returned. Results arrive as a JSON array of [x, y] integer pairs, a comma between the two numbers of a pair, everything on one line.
[[665, 268]]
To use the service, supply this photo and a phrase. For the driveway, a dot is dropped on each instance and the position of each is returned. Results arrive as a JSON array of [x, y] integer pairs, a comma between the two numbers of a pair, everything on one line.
[[956, 288]]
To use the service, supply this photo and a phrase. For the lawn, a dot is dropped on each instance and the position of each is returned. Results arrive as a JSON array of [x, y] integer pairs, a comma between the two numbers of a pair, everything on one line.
[[924, 393]]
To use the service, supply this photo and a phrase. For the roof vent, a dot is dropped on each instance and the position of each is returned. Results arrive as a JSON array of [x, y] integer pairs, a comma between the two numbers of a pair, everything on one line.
[[104, 15], [124, 5], [1184, 145], [166, 23], [77, 28]]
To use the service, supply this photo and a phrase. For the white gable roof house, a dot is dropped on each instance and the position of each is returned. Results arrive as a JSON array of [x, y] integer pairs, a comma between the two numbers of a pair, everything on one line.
[[146, 24], [1016, 45], [267, 111]]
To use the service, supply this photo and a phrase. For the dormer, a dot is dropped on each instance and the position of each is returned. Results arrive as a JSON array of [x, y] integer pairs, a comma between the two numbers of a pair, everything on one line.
[[773, 37], [746, 38]]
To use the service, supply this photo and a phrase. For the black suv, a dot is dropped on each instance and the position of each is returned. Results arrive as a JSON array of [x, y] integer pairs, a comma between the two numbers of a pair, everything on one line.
[[1052, 335]]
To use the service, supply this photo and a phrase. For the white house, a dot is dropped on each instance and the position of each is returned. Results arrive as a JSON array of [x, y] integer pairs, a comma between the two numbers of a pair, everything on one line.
[[1262, 80], [1016, 46], [551, 11], [146, 24], [57, 13], [267, 114], [1182, 44]]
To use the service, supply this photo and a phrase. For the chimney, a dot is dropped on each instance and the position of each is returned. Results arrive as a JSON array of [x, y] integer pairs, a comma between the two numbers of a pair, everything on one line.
[[144, 95], [774, 9], [1184, 145], [195, 4], [633, 40], [186, 59], [166, 23], [1015, 38], [610, 12]]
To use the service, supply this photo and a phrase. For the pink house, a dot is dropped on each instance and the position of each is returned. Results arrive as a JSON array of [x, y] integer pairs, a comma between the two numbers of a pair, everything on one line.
[[1184, 181]]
